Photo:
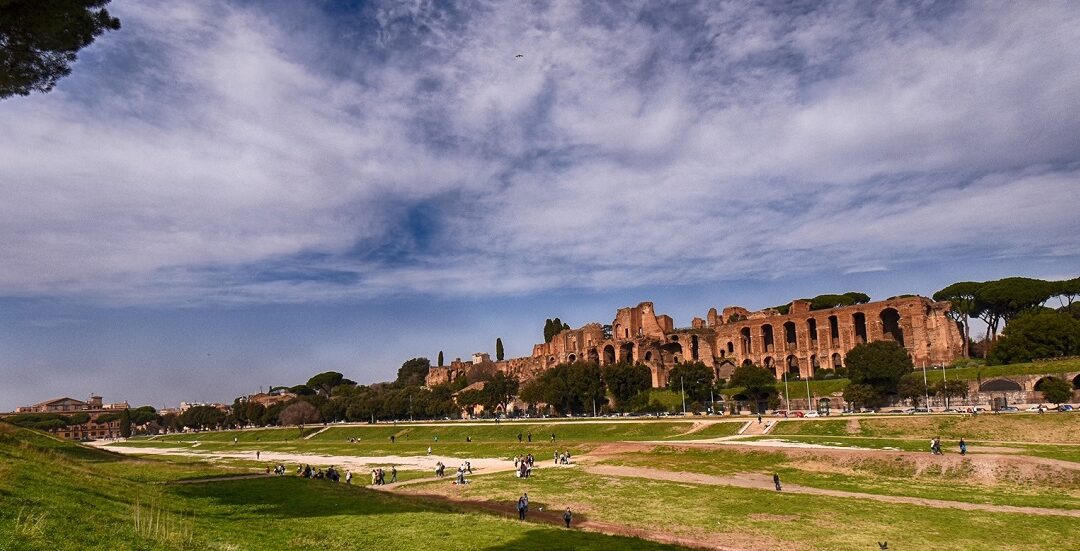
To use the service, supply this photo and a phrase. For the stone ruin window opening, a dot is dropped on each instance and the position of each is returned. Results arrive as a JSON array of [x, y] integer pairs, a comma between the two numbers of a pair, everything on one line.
[[744, 336], [648, 356], [609, 354], [730, 347], [1076, 382], [747, 362], [834, 332], [859, 319], [791, 339], [814, 364], [626, 353], [767, 337], [837, 362], [890, 326], [694, 347], [792, 367], [811, 328], [594, 356], [571, 358], [1039, 384]]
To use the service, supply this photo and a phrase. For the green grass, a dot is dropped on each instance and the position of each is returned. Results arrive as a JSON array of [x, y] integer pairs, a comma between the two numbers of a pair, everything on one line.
[[885, 476], [57, 495], [765, 519], [246, 435], [488, 440], [1015, 427]]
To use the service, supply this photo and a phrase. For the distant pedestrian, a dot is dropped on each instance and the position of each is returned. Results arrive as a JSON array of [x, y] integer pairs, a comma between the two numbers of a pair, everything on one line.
[[393, 438], [393, 474], [521, 508], [234, 440], [256, 455], [776, 481], [566, 516], [553, 437], [519, 438], [429, 450], [963, 447], [759, 419], [530, 436], [348, 477]]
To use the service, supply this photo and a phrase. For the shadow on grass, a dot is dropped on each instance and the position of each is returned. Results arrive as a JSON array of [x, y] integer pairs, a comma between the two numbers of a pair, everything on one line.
[[572, 539], [292, 497]]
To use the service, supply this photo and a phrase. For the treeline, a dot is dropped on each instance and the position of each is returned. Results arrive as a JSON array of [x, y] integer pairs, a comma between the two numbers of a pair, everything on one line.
[[145, 416], [1019, 327]]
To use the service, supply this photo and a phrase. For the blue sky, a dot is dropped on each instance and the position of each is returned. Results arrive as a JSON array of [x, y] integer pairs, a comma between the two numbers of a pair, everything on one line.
[[225, 195]]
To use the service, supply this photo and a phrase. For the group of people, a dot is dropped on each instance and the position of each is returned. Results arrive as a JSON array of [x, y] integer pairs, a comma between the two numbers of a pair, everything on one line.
[[524, 465], [935, 446], [523, 510], [306, 471], [378, 476], [562, 458]]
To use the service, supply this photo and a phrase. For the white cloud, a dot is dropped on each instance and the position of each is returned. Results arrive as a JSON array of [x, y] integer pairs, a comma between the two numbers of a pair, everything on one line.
[[207, 141]]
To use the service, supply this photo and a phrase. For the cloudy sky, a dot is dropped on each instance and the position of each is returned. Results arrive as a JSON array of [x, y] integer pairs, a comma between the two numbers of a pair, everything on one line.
[[226, 194]]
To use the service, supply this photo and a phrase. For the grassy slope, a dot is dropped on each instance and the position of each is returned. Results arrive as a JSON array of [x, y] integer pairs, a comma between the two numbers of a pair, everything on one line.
[[58, 496], [774, 519], [488, 440], [888, 476], [1031, 428]]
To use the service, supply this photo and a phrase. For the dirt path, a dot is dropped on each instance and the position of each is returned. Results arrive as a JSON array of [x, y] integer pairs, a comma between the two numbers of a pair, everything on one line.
[[356, 463], [763, 482]]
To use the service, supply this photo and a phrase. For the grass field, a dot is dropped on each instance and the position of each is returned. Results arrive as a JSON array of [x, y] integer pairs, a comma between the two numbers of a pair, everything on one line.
[[1015, 427], [767, 520], [59, 496]]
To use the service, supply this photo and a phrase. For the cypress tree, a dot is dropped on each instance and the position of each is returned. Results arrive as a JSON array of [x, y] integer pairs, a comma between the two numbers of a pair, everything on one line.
[[498, 349], [440, 359]]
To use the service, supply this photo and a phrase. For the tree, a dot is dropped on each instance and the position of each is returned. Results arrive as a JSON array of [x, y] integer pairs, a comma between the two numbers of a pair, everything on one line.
[[758, 384], [299, 413], [323, 383], [951, 389], [1044, 334], [1005, 299], [862, 395], [879, 365], [1056, 390], [413, 372], [962, 298], [569, 388], [823, 302], [125, 423], [625, 381], [499, 390], [912, 387], [499, 353], [39, 40], [1067, 291], [440, 359], [301, 390], [693, 377]]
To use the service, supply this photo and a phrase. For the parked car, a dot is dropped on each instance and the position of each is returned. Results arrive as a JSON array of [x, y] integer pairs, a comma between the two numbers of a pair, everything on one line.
[[1009, 409], [809, 414], [895, 411], [1065, 407], [1038, 407]]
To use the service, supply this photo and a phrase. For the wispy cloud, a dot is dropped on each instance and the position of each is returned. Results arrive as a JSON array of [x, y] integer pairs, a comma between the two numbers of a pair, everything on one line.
[[224, 152]]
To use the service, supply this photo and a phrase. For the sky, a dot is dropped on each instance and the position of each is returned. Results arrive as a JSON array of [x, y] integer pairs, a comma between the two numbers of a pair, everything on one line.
[[228, 195]]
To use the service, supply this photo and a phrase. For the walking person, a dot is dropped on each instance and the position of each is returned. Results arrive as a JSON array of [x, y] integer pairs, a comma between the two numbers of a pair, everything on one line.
[[521, 508], [776, 481], [566, 516], [963, 447], [348, 477], [530, 436], [519, 438], [393, 474], [257, 453]]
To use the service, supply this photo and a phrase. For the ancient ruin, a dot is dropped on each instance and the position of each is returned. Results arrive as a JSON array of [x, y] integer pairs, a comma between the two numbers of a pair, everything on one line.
[[798, 342]]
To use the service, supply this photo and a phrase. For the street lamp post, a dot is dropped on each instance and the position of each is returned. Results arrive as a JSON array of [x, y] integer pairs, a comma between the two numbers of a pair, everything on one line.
[[787, 394], [926, 388], [809, 401], [944, 387], [682, 389]]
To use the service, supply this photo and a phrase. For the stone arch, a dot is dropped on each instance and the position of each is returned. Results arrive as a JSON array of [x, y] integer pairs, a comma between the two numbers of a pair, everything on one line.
[[609, 354], [814, 366], [792, 366], [730, 347], [694, 347], [594, 356], [747, 362], [744, 336], [551, 360], [1039, 384], [1076, 382], [768, 362], [648, 355], [1000, 385], [626, 353], [834, 331], [811, 329], [571, 358], [837, 361], [890, 326], [618, 330], [859, 320], [767, 341], [791, 337], [672, 350]]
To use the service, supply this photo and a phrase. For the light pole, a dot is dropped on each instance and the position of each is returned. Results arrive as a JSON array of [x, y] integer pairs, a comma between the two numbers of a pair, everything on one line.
[[787, 394], [809, 401], [944, 387], [682, 389], [926, 388]]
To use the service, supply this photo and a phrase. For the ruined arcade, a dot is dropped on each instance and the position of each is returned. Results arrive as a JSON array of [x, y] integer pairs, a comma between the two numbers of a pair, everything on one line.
[[798, 342]]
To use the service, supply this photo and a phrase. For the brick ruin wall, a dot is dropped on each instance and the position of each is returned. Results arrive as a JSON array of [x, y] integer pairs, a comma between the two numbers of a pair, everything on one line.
[[802, 341]]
